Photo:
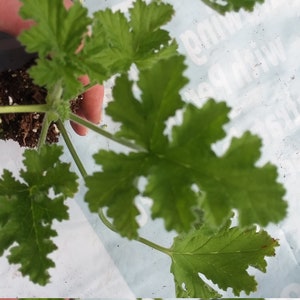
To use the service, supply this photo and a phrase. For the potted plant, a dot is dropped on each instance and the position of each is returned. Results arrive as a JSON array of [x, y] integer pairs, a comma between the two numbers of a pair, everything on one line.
[[194, 191]]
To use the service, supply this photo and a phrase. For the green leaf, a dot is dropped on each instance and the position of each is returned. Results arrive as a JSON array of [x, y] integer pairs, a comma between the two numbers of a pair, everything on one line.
[[174, 199], [56, 37], [232, 180], [196, 286], [146, 21], [253, 191], [117, 41], [114, 45], [184, 175], [164, 53], [222, 258], [144, 121], [49, 72], [132, 122], [116, 188], [110, 45], [58, 31], [28, 209], [232, 5]]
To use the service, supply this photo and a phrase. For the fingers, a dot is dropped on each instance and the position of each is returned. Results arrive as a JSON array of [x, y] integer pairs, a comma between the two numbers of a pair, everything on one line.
[[91, 106], [68, 3], [11, 22], [80, 130]]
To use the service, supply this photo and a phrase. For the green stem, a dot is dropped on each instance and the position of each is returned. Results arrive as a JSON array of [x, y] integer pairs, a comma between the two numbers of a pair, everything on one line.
[[83, 172], [71, 148], [154, 246], [44, 131], [105, 221], [101, 214], [139, 239], [103, 132], [9, 109]]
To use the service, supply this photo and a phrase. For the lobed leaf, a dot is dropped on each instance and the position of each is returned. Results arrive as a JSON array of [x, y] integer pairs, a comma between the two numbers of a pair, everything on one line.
[[232, 180], [55, 37], [174, 199], [223, 258], [49, 72], [28, 209], [110, 43], [184, 175], [117, 41], [232, 5], [116, 188], [58, 31], [144, 121], [146, 22], [114, 45], [253, 191]]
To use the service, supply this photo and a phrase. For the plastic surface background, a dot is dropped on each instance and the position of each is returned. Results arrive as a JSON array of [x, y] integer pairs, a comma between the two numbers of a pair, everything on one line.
[[251, 60]]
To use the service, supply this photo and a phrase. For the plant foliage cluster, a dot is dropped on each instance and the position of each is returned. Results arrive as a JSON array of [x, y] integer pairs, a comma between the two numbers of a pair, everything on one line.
[[225, 6], [194, 190]]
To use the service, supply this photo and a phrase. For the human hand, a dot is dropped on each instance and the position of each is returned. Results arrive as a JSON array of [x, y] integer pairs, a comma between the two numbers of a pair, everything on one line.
[[91, 106], [12, 23]]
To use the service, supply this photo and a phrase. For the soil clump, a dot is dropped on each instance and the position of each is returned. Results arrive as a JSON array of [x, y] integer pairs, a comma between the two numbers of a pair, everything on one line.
[[17, 88]]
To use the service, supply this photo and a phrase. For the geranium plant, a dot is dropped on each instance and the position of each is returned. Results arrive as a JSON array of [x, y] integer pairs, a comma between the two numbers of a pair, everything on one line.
[[194, 190]]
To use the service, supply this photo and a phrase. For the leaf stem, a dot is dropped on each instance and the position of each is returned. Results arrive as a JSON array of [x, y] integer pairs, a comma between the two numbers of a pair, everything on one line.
[[44, 131], [138, 239], [101, 214], [71, 148], [106, 221], [95, 128], [8, 109], [154, 246]]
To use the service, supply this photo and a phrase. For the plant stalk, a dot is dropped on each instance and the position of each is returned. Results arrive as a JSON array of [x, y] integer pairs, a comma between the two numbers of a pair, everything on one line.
[[44, 131], [14, 109], [95, 128], [126, 143], [71, 148], [154, 246], [138, 239], [101, 214]]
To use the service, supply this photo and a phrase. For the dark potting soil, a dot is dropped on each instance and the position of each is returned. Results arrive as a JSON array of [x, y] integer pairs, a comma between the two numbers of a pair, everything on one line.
[[17, 88]]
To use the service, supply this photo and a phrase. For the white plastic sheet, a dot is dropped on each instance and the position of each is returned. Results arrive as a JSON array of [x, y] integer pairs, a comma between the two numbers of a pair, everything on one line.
[[252, 61]]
